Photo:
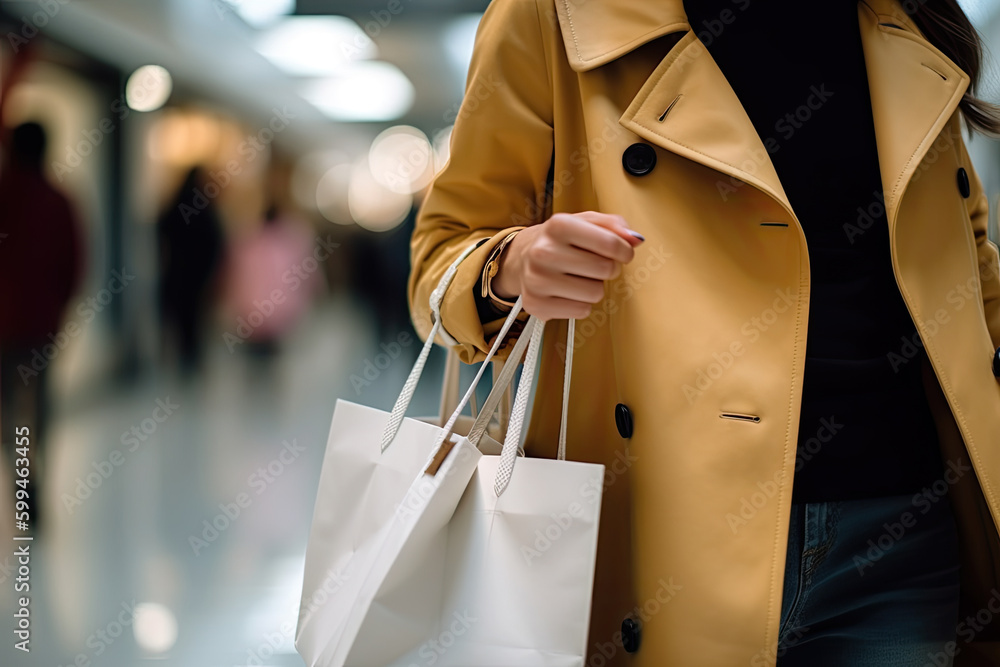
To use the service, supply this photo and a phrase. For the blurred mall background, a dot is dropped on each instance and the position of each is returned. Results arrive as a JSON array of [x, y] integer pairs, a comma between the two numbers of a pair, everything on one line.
[[191, 364]]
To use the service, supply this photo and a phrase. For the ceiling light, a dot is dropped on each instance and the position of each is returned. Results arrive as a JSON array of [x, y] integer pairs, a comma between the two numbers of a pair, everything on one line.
[[261, 13], [148, 88], [364, 91], [315, 45]]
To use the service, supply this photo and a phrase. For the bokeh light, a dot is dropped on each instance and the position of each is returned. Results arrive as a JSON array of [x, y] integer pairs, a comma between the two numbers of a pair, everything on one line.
[[362, 91], [374, 206], [148, 88], [315, 45], [401, 159], [155, 627]]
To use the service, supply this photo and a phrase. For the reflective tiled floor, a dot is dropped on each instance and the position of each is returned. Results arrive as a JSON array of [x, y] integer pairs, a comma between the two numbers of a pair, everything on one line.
[[147, 561]]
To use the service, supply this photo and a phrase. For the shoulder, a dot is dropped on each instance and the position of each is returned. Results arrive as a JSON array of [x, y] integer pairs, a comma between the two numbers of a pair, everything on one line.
[[520, 41], [532, 23]]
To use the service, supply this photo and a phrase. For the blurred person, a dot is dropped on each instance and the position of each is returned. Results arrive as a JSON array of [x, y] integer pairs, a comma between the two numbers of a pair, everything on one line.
[[766, 220], [380, 271], [268, 284], [41, 264], [191, 245]]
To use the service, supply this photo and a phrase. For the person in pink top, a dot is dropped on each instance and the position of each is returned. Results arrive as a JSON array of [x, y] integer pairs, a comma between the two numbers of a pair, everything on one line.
[[268, 285]]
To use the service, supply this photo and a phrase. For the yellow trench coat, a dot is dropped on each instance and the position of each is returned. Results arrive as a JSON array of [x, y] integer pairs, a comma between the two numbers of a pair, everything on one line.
[[710, 317]]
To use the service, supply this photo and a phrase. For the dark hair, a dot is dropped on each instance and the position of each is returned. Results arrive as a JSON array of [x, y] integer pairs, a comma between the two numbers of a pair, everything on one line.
[[948, 28], [27, 144]]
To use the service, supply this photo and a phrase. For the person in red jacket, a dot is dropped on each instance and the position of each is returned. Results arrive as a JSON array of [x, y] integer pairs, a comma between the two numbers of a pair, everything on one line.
[[40, 269]]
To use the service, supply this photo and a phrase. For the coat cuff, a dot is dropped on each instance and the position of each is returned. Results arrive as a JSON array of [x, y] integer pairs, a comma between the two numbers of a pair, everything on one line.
[[460, 313]]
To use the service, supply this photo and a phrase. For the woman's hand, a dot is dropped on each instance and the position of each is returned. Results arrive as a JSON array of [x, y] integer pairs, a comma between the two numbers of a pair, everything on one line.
[[559, 266]]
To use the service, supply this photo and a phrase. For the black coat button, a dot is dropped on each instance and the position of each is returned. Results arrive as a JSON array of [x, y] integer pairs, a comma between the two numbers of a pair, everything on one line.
[[639, 159], [631, 633], [996, 363], [623, 420], [963, 182]]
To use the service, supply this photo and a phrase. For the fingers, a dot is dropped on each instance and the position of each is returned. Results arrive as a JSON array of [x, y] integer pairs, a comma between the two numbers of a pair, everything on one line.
[[614, 223], [563, 267], [575, 288], [557, 259], [556, 308], [603, 238]]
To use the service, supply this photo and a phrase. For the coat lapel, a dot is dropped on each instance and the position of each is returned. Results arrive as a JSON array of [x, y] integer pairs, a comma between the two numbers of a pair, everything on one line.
[[688, 107], [914, 91]]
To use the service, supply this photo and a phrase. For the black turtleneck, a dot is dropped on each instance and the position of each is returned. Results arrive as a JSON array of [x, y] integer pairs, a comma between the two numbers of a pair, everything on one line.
[[799, 71]]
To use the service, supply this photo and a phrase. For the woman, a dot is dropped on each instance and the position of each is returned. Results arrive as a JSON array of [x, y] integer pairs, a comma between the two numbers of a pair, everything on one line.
[[768, 227]]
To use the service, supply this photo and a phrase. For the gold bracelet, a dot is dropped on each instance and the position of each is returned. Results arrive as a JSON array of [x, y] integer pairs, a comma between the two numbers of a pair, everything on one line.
[[491, 268]]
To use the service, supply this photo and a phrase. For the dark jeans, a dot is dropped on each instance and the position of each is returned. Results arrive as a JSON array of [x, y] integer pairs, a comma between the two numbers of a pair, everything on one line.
[[870, 583]]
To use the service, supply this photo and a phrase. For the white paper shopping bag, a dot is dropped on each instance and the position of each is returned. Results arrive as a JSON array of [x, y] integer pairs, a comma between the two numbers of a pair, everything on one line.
[[371, 462], [508, 579]]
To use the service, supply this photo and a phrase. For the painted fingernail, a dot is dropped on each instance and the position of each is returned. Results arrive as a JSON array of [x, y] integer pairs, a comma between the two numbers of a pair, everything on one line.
[[636, 234]]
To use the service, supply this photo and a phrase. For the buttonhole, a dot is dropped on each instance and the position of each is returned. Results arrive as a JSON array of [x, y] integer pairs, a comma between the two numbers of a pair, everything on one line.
[[740, 417], [892, 25], [774, 224], [669, 107], [935, 71]]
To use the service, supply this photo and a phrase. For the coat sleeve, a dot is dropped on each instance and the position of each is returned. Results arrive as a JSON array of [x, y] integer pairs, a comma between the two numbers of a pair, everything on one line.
[[989, 260], [495, 179]]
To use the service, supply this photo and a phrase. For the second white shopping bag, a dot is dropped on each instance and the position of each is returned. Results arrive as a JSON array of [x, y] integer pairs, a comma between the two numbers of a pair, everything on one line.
[[507, 579]]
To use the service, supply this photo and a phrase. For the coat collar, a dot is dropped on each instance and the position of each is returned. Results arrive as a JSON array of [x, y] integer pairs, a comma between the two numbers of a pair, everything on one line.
[[914, 88], [598, 31]]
